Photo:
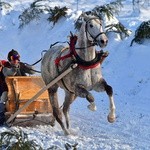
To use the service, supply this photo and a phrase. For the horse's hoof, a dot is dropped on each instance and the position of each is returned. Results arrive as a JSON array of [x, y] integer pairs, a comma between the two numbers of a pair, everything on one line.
[[66, 132], [90, 98], [92, 107], [52, 122], [111, 119]]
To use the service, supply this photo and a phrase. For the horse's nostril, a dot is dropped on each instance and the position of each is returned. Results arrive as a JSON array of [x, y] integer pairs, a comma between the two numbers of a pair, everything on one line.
[[102, 41]]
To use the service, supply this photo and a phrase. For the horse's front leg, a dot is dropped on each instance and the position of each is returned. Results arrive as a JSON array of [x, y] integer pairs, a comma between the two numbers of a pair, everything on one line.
[[82, 92], [69, 98], [102, 85]]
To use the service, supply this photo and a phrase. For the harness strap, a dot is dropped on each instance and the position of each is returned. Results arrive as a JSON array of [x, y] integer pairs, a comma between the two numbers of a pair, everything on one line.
[[57, 60], [57, 66], [98, 35]]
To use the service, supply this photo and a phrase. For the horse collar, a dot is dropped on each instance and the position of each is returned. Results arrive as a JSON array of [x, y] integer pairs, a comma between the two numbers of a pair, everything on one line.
[[81, 62], [89, 64]]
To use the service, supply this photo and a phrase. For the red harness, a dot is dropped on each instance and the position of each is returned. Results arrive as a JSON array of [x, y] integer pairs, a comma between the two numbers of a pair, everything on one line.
[[81, 63], [73, 40]]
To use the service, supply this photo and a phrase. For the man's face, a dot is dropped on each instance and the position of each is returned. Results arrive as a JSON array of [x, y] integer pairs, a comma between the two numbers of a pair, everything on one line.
[[15, 59], [14, 62], [1, 66]]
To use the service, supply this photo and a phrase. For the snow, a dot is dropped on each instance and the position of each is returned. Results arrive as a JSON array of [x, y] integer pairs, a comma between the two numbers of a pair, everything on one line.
[[126, 69]]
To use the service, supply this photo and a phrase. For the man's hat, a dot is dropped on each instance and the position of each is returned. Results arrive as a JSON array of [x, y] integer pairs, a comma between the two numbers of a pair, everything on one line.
[[13, 55]]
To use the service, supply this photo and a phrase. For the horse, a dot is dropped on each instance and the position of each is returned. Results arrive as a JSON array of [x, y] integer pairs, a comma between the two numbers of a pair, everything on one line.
[[84, 78]]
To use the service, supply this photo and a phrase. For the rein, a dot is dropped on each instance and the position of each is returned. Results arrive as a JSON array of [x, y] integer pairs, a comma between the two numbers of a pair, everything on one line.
[[37, 62]]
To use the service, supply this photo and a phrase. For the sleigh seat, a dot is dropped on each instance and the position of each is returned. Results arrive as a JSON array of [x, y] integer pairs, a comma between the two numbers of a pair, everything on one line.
[[20, 90]]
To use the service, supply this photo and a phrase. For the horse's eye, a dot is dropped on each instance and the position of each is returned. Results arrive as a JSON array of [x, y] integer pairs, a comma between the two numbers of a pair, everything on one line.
[[91, 25]]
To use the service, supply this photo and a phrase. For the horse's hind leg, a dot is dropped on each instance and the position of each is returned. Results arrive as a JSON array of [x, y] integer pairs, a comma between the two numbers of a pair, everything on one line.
[[55, 106], [69, 98], [82, 92], [102, 85]]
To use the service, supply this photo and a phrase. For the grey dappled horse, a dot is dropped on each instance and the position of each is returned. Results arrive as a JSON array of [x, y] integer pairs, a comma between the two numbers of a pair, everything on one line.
[[79, 81]]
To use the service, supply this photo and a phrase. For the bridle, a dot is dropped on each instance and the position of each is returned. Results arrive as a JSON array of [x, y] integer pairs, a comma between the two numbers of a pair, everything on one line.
[[94, 42], [82, 63]]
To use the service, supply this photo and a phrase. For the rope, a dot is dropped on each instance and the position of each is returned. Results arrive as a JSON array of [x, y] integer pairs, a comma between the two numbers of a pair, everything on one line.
[[39, 59], [35, 70], [42, 57], [32, 69], [57, 43], [37, 62]]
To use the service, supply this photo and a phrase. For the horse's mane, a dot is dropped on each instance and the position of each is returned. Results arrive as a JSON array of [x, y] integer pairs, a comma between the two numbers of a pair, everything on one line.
[[81, 35]]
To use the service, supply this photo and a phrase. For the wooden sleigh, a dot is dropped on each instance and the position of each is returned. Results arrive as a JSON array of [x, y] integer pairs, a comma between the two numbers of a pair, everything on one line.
[[28, 101], [20, 90]]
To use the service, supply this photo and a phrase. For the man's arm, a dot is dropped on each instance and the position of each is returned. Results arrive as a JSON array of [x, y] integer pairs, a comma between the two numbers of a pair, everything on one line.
[[9, 71], [26, 68]]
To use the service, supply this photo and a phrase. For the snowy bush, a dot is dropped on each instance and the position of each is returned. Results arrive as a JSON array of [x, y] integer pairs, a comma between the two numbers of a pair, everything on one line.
[[111, 23], [5, 7], [99, 11], [56, 13], [142, 33], [118, 28], [17, 140], [37, 8], [108, 9], [33, 12]]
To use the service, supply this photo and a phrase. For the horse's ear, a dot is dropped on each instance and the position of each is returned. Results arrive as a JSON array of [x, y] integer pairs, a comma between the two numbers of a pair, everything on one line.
[[84, 16]]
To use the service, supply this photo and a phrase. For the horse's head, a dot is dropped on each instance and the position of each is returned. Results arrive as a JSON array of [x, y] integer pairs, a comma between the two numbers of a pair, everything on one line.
[[94, 30]]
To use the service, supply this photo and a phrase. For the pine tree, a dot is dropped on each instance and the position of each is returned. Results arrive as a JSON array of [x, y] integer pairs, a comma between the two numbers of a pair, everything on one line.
[[142, 33]]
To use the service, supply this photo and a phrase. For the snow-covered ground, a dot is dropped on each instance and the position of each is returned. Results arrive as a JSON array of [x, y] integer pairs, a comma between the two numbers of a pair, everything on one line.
[[126, 69]]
